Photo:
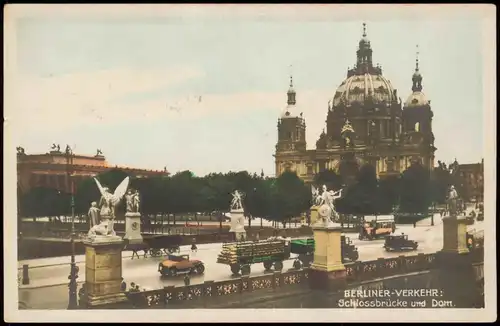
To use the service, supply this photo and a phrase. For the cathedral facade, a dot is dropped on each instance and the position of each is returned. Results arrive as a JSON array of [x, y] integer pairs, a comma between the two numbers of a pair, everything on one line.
[[366, 122]]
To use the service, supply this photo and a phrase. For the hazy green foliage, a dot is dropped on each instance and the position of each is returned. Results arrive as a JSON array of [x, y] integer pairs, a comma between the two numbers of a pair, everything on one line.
[[277, 199]]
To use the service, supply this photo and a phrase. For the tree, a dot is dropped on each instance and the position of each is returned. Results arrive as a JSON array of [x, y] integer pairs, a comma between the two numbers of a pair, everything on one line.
[[361, 197], [182, 193], [388, 194], [329, 178], [289, 197], [258, 202], [415, 189], [87, 191], [49, 202], [441, 181]]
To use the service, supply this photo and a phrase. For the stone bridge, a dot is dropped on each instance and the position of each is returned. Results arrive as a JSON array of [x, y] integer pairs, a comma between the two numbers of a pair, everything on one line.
[[452, 277], [291, 289]]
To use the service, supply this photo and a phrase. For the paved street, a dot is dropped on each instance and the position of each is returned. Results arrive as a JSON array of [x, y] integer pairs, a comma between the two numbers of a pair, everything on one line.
[[48, 284]]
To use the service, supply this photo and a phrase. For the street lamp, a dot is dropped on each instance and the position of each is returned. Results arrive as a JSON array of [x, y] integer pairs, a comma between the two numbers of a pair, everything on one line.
[[73, 304]]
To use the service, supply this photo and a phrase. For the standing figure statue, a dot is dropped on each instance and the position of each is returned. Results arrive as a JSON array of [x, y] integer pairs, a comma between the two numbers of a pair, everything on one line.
[[93, 215], [236, 203], [136, 202], [452, 202], [109, 202], [129, 197]]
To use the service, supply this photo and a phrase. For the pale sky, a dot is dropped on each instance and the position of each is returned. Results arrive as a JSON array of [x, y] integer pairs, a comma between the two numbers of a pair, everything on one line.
[[132, 86]]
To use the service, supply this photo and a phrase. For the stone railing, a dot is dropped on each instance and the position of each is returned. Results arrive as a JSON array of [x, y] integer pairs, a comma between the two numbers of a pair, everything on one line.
[[212, 290], [356, 272]]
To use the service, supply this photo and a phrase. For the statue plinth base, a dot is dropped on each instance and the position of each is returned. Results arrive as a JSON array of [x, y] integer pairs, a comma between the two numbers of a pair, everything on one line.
[[327, 271], [454, 235], [103, 270], [133, 227], [314, 214], [237, 221]]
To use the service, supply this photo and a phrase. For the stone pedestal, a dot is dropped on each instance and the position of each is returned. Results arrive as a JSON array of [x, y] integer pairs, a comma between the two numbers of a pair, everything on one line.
[[133, 228], [238, 224], [327, 271], [314, 215], [103, 271], [454, 235]]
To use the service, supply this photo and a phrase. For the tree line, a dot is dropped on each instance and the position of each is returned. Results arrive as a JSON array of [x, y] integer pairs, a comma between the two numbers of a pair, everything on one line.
[[274, 199]]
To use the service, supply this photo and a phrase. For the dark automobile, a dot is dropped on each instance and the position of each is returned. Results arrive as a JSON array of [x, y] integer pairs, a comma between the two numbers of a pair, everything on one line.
[[174, 265], [349, 251], [399, 242]]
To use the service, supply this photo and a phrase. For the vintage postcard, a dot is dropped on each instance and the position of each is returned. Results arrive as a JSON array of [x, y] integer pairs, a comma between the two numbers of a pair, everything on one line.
[[300, 163]]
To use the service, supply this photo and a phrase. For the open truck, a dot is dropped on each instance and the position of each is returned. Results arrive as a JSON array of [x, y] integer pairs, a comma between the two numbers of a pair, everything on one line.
[[240, 255], [272, 253], [377, 227]]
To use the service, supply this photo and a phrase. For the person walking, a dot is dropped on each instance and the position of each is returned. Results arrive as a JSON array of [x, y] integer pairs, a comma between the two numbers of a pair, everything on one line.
[[194, 248]]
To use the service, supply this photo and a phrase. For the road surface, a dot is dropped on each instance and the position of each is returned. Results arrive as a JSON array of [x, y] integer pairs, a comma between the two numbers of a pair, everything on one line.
[[48, 284]]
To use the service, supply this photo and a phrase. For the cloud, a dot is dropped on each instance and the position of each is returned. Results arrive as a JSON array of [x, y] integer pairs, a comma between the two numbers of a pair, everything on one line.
[[62, 101], [312, 103]]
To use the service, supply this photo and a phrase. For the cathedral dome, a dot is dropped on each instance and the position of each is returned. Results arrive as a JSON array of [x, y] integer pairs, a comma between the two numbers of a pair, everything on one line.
[[416, 99], [357, 88]]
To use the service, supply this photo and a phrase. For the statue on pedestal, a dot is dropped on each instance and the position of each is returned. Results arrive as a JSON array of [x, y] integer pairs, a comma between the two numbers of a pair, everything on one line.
[[236, 203], [133, 201], [108, 203], [452, 202], [327, 210], [237, 217]]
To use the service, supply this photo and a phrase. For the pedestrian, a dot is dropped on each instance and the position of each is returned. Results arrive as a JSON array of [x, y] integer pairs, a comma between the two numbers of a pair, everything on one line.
[[187, 280], [193, 246], [414, 224], [123, 287]]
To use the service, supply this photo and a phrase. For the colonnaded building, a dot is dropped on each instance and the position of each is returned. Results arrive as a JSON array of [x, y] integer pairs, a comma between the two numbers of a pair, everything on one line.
[[366, 123], [52, 170]]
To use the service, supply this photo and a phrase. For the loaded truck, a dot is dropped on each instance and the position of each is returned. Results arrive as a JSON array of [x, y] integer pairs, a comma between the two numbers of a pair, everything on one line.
[[272, 253]]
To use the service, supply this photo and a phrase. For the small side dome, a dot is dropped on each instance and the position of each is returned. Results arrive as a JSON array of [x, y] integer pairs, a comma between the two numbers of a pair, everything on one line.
[[290, 111], [416, 99]]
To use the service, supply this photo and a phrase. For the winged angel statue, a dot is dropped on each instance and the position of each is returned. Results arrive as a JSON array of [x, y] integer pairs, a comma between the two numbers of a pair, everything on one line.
[[108, 203]]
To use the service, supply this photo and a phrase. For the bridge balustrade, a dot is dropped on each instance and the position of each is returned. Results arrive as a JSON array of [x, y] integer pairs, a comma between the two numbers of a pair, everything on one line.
[[356, 272]]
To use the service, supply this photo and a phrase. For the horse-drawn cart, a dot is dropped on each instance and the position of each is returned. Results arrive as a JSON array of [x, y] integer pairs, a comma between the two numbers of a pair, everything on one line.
[[157, 245]]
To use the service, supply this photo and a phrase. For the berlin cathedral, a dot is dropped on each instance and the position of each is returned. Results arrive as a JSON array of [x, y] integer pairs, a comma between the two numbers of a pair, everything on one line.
[[366, 123]]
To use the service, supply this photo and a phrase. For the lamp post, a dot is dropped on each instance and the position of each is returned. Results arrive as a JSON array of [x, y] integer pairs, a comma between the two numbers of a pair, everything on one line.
[[73, 304]]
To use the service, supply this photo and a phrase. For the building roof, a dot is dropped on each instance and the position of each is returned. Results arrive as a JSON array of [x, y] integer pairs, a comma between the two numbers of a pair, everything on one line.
[[357, 88], [416, 99]]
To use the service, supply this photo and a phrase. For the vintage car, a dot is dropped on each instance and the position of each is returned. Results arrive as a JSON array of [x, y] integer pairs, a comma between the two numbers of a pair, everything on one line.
[[181, 264], [399, 242], [376, 229], [349, 251]]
